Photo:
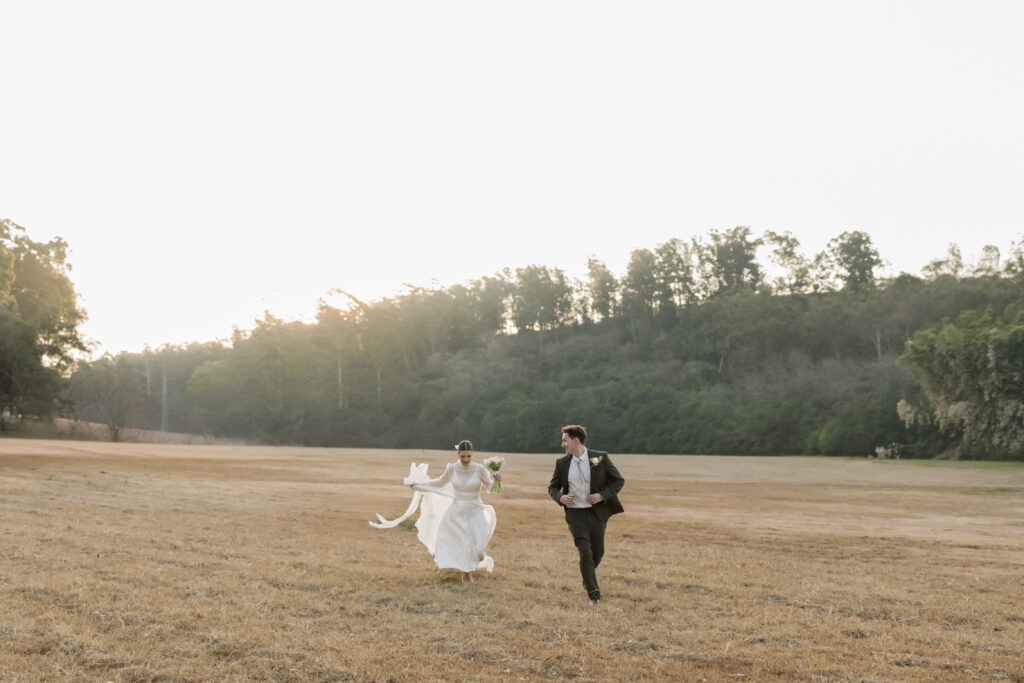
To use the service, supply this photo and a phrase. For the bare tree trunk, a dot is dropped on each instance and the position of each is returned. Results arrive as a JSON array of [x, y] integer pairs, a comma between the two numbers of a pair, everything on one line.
[[163, 393], [341, 385], [149, 384]]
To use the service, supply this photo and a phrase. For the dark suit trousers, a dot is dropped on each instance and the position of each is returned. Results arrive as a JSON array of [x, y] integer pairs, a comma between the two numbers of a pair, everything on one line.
[[587, 531]]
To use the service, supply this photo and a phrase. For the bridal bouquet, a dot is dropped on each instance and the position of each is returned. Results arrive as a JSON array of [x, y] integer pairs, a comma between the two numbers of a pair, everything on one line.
[[494, 464]]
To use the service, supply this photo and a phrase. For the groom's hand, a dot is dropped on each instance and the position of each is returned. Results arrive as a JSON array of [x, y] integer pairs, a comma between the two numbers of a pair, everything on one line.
[[565, 500], [595, 498]]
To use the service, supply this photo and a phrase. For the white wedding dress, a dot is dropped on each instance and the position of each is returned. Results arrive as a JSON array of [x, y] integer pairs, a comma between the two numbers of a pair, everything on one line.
[[454, 523]]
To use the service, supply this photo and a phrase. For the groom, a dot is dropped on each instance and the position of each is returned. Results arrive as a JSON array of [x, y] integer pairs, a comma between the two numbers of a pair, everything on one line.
[[587, 485]]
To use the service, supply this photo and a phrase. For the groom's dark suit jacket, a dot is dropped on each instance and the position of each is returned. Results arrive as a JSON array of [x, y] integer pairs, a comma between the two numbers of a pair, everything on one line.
[[604, 479]]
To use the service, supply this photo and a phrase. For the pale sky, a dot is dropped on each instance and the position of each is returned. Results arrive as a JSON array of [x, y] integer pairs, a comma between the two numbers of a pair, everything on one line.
[[208, 161]]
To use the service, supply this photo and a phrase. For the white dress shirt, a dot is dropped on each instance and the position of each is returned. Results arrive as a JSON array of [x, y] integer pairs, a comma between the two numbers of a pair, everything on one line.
[[579, 480]]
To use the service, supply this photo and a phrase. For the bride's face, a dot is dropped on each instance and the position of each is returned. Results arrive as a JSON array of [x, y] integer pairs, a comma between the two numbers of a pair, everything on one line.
[[465, 457]]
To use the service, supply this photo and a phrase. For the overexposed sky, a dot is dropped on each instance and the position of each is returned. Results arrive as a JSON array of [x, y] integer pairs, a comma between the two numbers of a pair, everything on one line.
[[208, 161]]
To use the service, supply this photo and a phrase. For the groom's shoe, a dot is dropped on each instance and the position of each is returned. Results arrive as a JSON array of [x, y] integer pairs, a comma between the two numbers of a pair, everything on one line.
[[595, 597]]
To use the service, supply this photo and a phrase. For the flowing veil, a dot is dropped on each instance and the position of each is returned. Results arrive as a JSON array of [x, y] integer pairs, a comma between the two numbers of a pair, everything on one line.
[[432, 501]]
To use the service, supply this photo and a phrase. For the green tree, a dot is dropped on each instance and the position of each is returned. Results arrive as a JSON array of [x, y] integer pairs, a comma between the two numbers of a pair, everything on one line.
[[731, 260], [272, 386], [39, 319], [970, 371], [674, 273], [542, 298], [988, 264], [602, 288], [952, 265], [640, 287], [1014, 264], [796, 276], [855, 259], [489, 298], [110, 391]]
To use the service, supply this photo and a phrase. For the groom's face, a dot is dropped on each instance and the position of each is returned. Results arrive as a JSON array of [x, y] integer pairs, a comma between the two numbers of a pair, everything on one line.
[[569, 444]]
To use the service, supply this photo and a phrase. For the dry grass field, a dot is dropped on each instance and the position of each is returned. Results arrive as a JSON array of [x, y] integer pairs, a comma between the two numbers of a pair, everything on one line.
[[146, 562]]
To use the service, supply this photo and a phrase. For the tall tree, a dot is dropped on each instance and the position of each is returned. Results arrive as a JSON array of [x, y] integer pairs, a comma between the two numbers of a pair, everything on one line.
[[110, 391], [272, 386], [542, 298], [674, 276], [731, 258], [640, 286], [1014, 265], [602, 288], [989, 263], [39, 319], [952, 265], [796, 277], [337, 333], [490, 296], [855, 259]]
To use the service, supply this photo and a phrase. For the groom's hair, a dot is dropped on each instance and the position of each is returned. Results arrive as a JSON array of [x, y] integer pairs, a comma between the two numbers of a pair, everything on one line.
[[576, 432]]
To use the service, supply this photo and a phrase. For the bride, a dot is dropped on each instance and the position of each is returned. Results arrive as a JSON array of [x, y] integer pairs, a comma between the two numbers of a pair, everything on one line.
[[454, 523]]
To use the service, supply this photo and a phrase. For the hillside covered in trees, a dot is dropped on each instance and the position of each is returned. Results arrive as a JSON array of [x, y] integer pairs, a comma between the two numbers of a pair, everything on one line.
[[729, 344]]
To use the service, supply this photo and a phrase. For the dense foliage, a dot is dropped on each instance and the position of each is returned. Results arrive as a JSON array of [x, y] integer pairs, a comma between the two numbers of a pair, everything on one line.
[[972, 374], [39, 318], [735, 343]]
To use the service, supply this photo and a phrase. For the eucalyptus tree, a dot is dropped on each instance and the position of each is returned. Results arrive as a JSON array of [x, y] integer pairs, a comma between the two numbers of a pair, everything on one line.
[[796, 269], [1013, 266], [270, 385], [640, 285], [737, 332], [581, 312], [989, 263], [428, 320], [675, 276], [855, 259], [952, 265], [464, 328], [111, 391], [879, 321], [542, 299], [730, 259], [384, 341], [907, 292], [39, 319], [154, 366], [166, 371], [338, 335], [602, 289], [491, 300]]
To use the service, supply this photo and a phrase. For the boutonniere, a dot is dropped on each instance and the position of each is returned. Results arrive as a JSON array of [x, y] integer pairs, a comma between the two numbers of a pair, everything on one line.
[[596, 460]]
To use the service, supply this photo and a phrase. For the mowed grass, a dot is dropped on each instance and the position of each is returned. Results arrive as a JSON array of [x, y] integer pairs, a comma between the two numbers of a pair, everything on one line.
[[122, 562]]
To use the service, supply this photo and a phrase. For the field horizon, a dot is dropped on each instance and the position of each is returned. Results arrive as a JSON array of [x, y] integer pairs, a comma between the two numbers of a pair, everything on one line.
[[133, 562]]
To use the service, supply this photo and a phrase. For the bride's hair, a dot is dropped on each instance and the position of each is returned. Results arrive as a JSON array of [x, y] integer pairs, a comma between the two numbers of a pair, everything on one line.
[[464, 445]]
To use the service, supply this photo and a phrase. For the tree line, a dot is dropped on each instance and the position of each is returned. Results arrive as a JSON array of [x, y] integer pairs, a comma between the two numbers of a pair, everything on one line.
[[730, 343]]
